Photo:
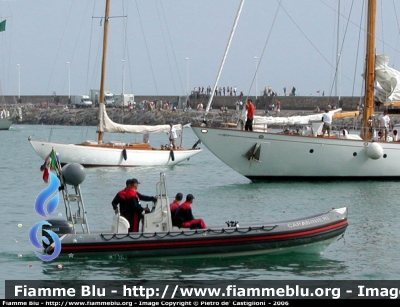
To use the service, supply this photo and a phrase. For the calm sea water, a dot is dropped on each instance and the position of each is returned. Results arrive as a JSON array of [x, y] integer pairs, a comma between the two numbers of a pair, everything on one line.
[[369, 250]]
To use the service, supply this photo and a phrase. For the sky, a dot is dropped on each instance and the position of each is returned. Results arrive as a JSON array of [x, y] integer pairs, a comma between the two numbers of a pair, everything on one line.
[[169, 47]]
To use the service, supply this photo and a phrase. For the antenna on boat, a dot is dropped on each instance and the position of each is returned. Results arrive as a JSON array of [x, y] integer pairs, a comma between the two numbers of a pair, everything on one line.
[[223, 59], [370, 71]]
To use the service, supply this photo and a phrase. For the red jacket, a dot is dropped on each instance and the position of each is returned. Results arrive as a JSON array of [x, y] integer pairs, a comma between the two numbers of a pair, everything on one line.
[[183, 213], [128, 200], [250, 110], [173, 206]]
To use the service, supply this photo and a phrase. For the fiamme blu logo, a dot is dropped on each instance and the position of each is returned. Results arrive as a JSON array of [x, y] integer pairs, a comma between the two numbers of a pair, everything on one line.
[[46, 203]]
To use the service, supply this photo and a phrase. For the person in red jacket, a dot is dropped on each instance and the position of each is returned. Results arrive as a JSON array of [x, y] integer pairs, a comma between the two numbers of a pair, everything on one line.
[[120, 199], [128, 200], [250, 115], [184, 217], [174, 205]]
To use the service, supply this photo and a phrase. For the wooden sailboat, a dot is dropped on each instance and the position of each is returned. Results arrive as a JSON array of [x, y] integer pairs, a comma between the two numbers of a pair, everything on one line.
[[99, 153], [280, 156]]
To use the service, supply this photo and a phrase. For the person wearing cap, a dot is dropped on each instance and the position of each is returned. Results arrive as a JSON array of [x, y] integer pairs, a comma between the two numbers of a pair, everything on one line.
[[121, 200], [174, 205], [134, 203], [130, 207], [172, 135], [184, 217]]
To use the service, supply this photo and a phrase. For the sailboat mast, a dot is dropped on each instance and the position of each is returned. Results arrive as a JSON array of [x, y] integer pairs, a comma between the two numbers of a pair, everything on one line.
[[103, 71], [370, 71]]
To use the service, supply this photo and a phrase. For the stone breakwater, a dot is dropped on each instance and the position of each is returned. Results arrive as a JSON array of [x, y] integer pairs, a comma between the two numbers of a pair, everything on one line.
[[89, 117]]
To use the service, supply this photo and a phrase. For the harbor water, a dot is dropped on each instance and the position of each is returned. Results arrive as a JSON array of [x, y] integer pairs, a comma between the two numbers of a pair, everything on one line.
[[368, 250]]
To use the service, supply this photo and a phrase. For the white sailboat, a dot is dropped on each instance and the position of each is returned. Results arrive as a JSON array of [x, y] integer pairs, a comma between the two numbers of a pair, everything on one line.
[[98, 153], [5, 123], [264, 155], [6, 120]]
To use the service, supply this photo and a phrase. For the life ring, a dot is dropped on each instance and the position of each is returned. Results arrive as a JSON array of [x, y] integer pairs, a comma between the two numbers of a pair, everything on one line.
[[124, 154], [172, 155]]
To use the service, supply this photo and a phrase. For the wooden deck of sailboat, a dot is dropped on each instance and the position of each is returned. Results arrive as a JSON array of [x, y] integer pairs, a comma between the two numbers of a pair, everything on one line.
[[132, 146]]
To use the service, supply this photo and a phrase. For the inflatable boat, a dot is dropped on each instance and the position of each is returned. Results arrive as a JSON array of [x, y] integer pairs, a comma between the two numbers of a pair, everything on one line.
[[159, 238]]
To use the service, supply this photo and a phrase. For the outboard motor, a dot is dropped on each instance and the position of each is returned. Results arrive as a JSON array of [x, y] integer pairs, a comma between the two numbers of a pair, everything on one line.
[[60, 227]]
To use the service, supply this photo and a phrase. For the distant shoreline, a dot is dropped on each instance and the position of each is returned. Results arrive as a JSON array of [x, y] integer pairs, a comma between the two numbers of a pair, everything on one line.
[[304, 103]]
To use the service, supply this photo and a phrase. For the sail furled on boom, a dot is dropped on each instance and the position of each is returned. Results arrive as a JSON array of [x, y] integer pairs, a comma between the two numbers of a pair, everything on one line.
[[107, 125]]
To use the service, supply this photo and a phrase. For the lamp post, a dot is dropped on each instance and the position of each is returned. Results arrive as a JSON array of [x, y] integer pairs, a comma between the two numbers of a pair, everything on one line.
[[187, 76], [19, 83], [255, 58], [69, 82]]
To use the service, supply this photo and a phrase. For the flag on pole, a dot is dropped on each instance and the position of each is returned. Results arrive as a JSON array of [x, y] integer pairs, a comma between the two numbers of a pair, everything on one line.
[[53, 161], [49, 164], [46, 174], [2, 26]]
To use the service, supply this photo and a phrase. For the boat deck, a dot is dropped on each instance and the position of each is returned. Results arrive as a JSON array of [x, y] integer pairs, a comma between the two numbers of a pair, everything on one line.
[[132, 146]]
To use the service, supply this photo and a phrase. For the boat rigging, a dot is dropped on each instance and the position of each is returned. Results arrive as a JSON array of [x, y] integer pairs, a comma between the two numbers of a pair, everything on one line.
[[305, 153], [116, 153]]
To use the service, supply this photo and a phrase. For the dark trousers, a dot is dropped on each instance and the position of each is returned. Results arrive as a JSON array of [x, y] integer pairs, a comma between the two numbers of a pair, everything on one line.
[[249, 125], [133, 219]]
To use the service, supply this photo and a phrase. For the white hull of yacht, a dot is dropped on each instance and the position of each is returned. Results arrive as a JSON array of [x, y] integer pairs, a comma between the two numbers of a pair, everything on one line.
[[5, 123], [295, 157], [96, 155]]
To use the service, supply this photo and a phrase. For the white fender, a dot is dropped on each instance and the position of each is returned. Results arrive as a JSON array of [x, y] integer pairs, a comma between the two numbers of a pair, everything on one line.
[[374, 151]]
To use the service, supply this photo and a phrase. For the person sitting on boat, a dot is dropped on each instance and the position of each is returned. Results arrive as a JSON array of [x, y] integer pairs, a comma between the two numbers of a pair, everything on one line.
[[327, 119], [174, 205], [184, 217]]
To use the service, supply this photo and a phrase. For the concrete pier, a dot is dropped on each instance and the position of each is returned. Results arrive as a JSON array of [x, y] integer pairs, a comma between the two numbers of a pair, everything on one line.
[[304, 103]]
